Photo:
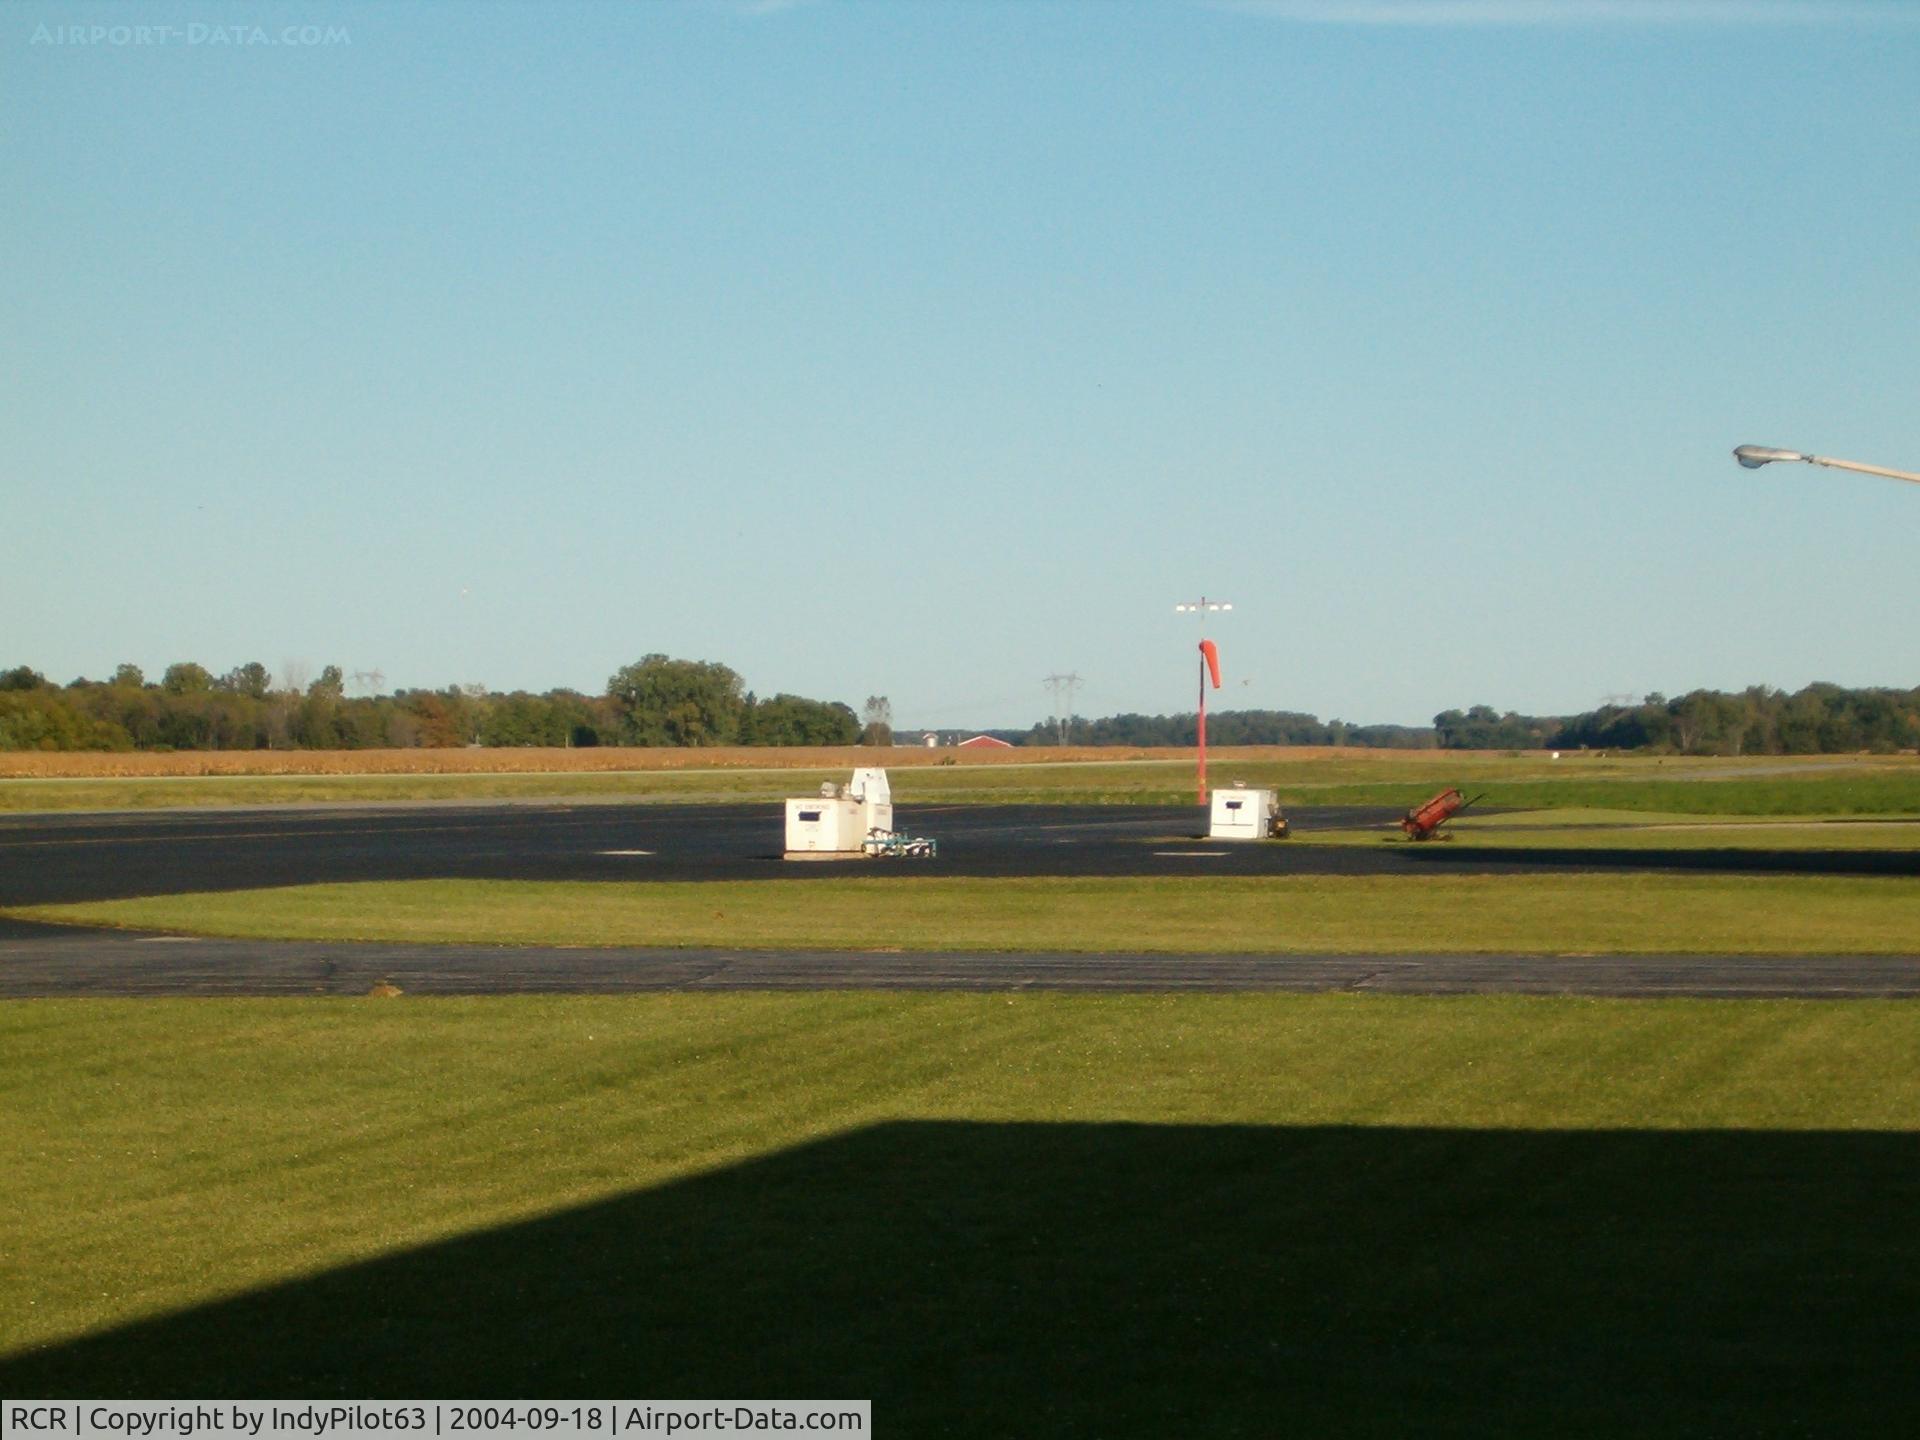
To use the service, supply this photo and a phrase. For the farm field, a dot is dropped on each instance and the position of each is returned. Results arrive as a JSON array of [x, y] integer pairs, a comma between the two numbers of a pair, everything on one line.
[[1455, 1217], [1806, 785], [477, 760], [1528, 914]]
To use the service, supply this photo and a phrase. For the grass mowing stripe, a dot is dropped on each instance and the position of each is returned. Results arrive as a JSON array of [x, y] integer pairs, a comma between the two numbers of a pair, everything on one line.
[[1707, 914], [1459, 1216], [1886, 785]]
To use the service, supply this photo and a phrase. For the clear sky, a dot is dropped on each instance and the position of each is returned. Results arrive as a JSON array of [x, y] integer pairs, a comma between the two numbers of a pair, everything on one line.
[[929, 349]]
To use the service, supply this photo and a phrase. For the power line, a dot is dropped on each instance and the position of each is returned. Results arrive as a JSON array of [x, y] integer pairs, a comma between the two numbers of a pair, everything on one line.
[[1057, 683]]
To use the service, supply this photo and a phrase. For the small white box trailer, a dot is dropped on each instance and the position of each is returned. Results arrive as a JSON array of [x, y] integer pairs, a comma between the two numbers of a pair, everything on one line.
[[1242, 814], [825, 826], [849, 823]]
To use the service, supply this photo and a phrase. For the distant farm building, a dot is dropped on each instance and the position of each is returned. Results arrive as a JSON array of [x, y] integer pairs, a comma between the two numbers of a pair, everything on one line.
[[950, 740]]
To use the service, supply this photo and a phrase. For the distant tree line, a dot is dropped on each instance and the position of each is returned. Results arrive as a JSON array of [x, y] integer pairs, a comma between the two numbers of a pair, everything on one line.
[[654, 701], [660, 701], [1226, 727], [1820, 719]]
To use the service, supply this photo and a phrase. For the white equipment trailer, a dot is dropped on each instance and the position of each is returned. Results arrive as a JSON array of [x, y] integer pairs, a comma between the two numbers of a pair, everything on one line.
[[850, 823]]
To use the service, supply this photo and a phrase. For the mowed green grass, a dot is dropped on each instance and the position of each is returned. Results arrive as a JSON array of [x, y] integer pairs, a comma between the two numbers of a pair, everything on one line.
[[1227, 1215], [1716, 914], [1681, 785], [1808, 785], [719, 786]]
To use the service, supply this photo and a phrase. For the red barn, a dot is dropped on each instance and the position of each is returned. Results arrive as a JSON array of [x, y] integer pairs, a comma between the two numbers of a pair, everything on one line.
[[983, 742]]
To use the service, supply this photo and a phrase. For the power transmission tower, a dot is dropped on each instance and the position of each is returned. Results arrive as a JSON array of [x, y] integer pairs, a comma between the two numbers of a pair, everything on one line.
[[1057, 683]]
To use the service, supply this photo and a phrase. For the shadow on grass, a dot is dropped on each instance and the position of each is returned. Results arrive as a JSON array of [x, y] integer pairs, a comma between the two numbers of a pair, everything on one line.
[[981, 1279]]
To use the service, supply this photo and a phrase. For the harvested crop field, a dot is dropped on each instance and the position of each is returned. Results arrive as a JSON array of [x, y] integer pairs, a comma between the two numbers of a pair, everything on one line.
[[98, 765], [532, 760]]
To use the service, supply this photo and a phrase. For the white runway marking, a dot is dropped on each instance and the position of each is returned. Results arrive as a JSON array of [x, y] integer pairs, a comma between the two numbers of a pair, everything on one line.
[[623, 852], [1190, 854]]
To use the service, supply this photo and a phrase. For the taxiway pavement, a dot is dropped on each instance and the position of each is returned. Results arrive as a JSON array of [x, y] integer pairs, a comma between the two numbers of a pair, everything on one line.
[[51, 859], [38, 962]]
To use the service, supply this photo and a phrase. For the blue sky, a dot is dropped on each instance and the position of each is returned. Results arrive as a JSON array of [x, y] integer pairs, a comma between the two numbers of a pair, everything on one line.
[[930, 349]]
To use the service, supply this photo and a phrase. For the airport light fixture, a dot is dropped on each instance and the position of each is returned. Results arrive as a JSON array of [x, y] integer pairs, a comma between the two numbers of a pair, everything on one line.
[[1754, 456], [1209, 661]]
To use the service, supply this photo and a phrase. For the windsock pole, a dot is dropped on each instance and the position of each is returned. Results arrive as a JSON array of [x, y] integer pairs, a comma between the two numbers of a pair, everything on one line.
[[1203, 722], [1209, 661]]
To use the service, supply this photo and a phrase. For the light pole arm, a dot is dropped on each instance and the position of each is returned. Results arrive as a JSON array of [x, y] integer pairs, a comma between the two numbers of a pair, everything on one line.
[[1863, 469]]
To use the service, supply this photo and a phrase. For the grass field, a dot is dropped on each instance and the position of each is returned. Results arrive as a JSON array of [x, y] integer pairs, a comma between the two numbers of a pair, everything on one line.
[[1809, 785], [1110, 1215], [1012, 1214], [1709, 914]]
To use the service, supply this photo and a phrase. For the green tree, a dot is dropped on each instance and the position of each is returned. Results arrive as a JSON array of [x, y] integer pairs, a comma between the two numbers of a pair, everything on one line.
[[44, 719], [316, 722], [1708, 722], [186, 678], [585, 721], [523, 719], [250, 679], [364, 724], [186, 720], [662, 701], [795, 720]]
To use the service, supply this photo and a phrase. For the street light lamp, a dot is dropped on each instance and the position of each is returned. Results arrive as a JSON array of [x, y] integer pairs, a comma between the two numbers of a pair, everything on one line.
[[1754, 456], [1209, 660]]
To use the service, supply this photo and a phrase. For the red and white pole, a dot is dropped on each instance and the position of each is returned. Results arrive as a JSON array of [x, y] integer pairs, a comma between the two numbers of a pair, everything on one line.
[[1203, 722], [1209, 661]]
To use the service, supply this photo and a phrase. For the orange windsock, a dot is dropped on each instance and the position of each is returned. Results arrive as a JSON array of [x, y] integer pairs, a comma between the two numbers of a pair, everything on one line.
[[1212, 652]]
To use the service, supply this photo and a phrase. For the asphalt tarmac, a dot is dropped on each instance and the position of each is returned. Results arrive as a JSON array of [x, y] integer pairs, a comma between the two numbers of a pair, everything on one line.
[[50, 859], [42, 962]]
